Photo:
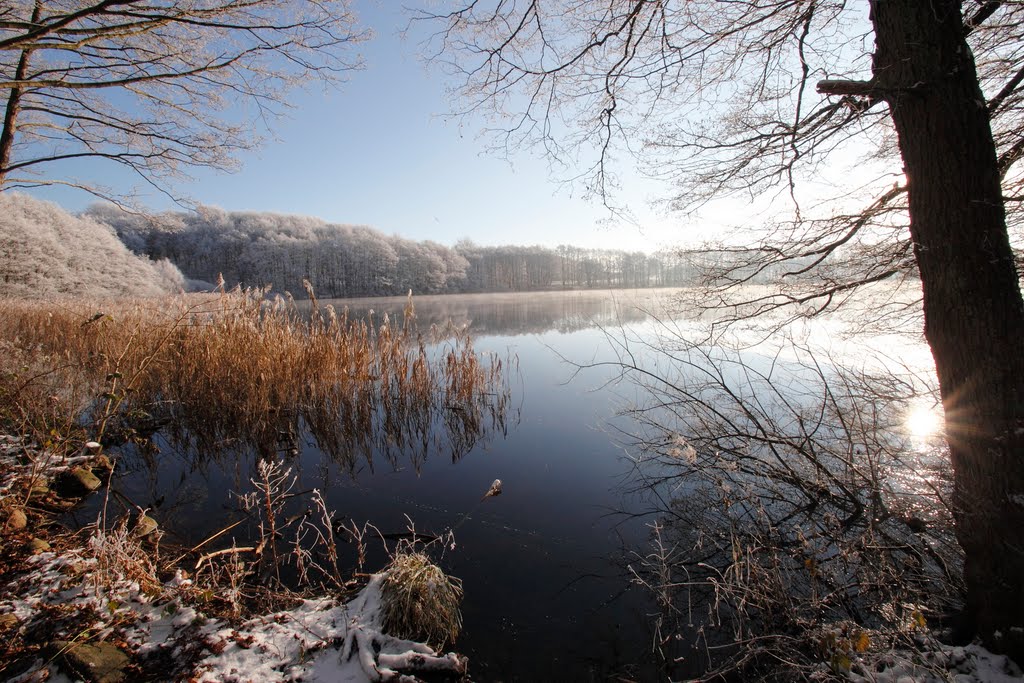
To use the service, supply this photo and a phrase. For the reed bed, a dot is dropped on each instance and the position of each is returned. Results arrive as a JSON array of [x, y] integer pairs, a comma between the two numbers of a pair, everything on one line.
[[234, 370]]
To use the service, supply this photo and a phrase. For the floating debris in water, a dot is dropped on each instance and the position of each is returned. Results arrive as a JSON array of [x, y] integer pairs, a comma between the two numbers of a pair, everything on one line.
[[495, 489]]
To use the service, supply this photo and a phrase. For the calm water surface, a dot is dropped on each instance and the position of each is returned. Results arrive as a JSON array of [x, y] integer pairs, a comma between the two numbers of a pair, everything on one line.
[[547, 595], [544, 565]]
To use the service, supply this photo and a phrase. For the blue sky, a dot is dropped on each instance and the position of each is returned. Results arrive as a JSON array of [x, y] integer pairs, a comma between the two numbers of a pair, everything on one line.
[[380, 152]]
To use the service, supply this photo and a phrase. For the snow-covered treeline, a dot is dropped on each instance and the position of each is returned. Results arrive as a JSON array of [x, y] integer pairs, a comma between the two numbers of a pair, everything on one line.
[[45, 251], [258, 249]]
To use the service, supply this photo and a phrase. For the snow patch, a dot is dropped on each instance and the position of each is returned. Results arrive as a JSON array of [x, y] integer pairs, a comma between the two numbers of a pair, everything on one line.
[[937, 663], [320, 640]]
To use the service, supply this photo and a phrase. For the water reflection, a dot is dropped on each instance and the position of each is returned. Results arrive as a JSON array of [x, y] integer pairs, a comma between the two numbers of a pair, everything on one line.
[[510, 315], [792, 501], [730, 442], [547, 597]]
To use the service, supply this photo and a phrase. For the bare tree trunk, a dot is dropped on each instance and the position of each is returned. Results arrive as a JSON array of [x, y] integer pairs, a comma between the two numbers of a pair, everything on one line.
[[14, 105], [974, 315]]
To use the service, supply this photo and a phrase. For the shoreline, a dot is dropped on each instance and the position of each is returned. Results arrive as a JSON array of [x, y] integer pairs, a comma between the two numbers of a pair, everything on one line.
[[89, 603]]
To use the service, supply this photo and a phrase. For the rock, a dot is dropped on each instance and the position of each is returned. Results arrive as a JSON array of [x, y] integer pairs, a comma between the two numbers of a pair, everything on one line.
[[145, 526], [101, 465], [99, 662], [38, 545], [16, 520], [8, 621], [93, 446], [77, 482], [88, 481]]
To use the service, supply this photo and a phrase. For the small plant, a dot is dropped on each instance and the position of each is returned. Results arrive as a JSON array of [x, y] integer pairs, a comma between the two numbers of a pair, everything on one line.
[[121, 557], [420, 601]]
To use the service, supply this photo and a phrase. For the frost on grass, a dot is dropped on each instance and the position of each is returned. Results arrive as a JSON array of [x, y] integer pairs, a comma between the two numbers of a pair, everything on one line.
[[105, 591], [320, 640], [420, 601]]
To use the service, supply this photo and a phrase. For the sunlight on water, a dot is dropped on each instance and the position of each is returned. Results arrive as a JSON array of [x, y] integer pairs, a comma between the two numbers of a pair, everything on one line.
[[923, 421]]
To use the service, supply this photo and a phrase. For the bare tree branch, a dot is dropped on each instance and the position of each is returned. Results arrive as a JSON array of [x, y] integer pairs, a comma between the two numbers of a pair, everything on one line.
[[158, 87]]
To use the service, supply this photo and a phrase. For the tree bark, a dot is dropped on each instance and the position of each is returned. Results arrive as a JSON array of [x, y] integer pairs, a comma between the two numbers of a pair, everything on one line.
[[14, 104], [974, 314]]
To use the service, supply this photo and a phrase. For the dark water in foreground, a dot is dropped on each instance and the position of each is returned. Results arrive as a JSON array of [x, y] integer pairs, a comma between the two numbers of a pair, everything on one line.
[[547, 595]]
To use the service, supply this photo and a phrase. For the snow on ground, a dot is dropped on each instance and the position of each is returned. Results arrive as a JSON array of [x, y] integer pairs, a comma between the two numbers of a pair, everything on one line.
[[325, 640], [320, 640], [937, 663]]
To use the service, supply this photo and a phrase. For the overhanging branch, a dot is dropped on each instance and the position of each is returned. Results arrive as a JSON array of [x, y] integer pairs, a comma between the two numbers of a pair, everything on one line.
[[844, 87]]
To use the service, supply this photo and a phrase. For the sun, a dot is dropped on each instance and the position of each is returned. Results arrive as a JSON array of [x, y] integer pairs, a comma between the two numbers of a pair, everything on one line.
[[923, 421]]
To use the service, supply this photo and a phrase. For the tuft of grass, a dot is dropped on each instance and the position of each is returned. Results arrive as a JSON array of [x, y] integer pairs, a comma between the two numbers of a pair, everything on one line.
[[420, 601], [122, 557]]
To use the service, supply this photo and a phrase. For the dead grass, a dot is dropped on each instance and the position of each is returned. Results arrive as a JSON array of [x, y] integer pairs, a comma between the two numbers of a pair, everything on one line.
[[121, 556], [420, 601], [233, 368]]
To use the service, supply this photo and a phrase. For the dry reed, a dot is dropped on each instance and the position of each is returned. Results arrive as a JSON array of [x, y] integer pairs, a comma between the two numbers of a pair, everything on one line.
[[234, 368]]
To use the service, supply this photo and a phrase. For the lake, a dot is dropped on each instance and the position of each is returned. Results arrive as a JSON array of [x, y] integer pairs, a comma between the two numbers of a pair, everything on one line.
[[544, 565]]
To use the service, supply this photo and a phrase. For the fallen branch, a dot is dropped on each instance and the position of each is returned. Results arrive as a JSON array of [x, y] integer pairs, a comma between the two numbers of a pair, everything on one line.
[[225, 551]]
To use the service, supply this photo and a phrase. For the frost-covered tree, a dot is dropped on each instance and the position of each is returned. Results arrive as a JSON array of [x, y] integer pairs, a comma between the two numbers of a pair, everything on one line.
[[154, 86], [45, 251], [259, 249]]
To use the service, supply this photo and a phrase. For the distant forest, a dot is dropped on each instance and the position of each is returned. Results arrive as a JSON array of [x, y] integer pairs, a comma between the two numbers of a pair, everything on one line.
[[266, 249]]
